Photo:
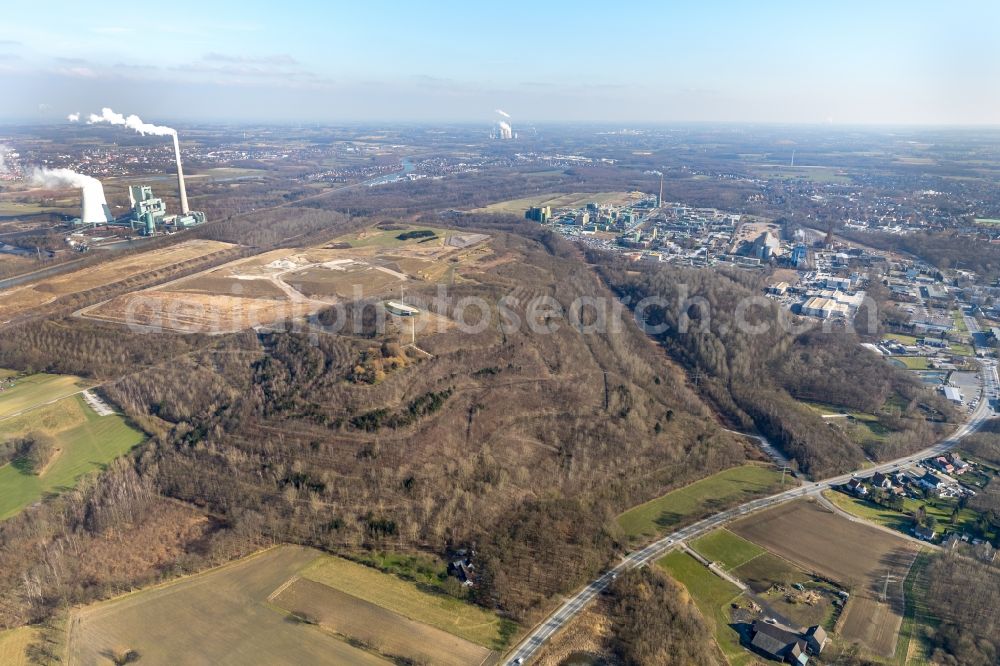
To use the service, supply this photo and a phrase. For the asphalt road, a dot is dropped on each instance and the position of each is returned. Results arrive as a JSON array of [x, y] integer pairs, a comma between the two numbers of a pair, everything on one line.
[[654, 551]]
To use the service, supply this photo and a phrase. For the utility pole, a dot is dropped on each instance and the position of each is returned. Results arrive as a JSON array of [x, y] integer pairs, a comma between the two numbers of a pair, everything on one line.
[[784, 469]]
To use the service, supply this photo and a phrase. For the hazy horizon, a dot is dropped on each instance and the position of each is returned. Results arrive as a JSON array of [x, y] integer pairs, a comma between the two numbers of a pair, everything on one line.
[[893, 64]]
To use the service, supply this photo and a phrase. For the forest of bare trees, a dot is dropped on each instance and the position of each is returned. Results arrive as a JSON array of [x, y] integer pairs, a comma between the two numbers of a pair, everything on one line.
[[963, 595], [758, 369]]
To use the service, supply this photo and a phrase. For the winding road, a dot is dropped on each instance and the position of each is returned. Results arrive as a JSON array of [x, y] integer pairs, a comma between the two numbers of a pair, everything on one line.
[[530, 645]]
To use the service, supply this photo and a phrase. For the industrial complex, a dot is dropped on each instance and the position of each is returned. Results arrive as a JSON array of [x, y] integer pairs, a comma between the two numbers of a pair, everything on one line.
[[147, 214]]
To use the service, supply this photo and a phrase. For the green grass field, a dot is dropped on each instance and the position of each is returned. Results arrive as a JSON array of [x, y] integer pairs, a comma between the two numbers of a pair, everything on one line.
[[712, 596], [913, 617], [901, 338], [555, 200], [13, 644], [961, 349], [726, 548], [913, 362], [704, 497], [86, 443], [901, 521], [437, 610], [813, 174], [36, 390], [388, 239]]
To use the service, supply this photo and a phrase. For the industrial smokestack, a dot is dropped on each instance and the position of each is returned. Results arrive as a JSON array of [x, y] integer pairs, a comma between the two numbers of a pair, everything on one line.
[[95, 205], [136, 123], [180, 178]]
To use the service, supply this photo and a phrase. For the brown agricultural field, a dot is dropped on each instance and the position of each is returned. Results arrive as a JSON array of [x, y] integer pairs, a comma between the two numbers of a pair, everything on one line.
[[290, 284], [364, 622], [221, 616], [25, 297], [855, 555]]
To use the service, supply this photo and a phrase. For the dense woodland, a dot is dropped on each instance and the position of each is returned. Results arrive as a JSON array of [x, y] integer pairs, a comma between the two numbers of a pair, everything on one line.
[[944, 250], [964, 595], [757, 364], [655, 623]]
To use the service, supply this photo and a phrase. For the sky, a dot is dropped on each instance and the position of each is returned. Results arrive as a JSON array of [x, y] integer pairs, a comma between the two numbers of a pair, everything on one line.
[[620, 61]]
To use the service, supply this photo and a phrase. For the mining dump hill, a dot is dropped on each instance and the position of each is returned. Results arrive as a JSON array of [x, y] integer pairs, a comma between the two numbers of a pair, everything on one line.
[[154, 263], [337, 440]]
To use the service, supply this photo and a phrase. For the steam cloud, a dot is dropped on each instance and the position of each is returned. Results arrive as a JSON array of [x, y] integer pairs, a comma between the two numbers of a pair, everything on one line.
[[95, 206], [503, 113], [73, 117], [135, 122], [132, 122], [3, 157], [504, 125], [54, 178]]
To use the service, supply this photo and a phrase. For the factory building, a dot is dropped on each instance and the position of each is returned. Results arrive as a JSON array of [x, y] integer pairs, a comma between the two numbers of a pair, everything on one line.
[[539, 214], [800, 256], [765, 246], [824, 308]]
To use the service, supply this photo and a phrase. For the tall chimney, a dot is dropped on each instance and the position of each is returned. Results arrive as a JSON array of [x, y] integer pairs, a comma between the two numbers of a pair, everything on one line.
[[180, 178]]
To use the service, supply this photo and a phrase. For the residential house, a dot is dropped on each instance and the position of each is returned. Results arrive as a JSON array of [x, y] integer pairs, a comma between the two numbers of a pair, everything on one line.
[[855, 486], [464, 570], [932, 482], [959, 466], [925, 533], [880, 480], [944, 465]]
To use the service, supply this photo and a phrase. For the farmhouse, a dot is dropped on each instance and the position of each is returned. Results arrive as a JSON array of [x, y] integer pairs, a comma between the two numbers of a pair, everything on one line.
[[816, 639], [925, 533], [777, 643], [783, 644]]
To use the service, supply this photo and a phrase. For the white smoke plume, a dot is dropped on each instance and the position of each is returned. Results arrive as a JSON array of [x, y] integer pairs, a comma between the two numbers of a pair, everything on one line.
[[55, 178], [73, 117], [95, 206], [504, 125], [503, 113], [3, 157], [132, 122]]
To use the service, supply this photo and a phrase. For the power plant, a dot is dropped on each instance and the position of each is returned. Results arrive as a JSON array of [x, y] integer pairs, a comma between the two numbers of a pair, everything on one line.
[[95, 204], [148, 213], [502, 130]]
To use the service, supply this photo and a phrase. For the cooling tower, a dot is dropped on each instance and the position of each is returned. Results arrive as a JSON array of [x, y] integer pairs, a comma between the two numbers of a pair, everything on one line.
[[180, 178], [95, 206]]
